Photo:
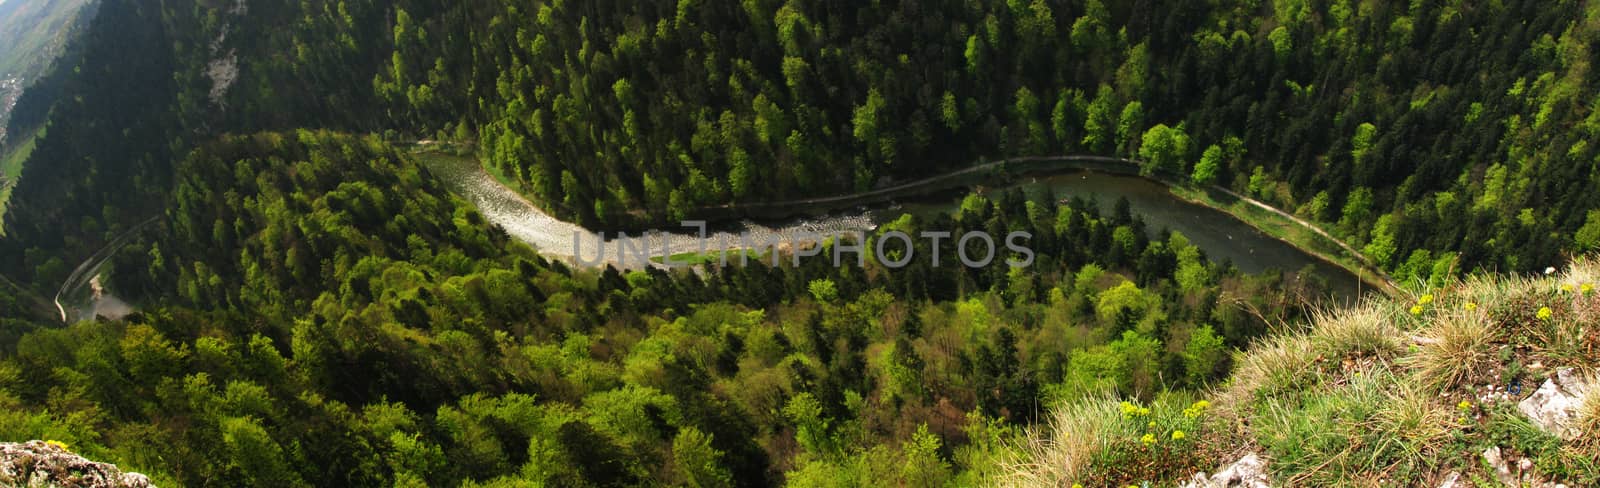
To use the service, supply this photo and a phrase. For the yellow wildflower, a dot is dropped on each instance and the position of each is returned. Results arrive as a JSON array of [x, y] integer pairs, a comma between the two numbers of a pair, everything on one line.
[[1566, 287], [1152, 425], [1129, 410], [1144, 411], [1426, 299], [58, 444], [1077, 485], [1416, 310], [1177, 435], [1148, 440], [1545, 313], [1586, 288], [1464, 405], [1470, 306]]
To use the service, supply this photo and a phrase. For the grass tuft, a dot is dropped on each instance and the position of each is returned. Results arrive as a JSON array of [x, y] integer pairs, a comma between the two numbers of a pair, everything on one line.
[[1588, 420], [1060, 454], [1454, 349], [1411, 426], [1360, 332], [1276, 364]]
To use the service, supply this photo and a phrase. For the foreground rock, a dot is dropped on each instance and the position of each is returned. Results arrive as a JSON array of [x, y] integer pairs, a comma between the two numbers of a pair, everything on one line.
[[1518, 476], [1453, 480], [1555, 405], [39, 464], [1248, 472]]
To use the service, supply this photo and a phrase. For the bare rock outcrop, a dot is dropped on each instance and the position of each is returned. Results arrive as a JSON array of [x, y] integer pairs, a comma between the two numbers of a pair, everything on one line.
[[1522, 474], [41, 464], [1249, 471], [1555, 405]]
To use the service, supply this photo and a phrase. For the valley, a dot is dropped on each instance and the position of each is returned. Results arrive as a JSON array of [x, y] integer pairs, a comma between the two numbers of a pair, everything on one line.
[[334, 243]]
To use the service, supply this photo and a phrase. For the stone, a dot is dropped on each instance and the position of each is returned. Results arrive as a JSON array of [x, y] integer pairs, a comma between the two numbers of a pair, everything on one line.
[[42, 464], [1453, 480], [1502, 469], [1249, 471], [1554, 406], [1523, 475]]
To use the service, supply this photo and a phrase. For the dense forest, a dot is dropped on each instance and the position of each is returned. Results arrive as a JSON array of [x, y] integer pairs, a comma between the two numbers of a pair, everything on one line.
[[313, 329], [316, 309], [1424, 132], [1428, 134]]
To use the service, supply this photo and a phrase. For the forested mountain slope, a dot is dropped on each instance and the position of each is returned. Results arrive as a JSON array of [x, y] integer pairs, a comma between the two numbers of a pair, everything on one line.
[[318, 312], [1435, 136], [147, 82], [1405, 126], [32, 34]]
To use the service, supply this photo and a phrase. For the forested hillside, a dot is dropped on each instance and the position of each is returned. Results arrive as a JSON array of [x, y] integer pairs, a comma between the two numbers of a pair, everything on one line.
[[1448, 135], [1425, 132], [305, 328], [147, 82], [32, 36], [315, 309], [33, 33]]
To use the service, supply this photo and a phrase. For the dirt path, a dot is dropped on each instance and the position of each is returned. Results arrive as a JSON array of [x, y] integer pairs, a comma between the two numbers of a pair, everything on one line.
[[1313, 228]]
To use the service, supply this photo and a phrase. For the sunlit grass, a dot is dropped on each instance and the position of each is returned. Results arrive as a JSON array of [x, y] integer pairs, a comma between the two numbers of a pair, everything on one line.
[[1587, 420], [1099, 441], [709, 257], [1276, 364], [1453, 350], [1385, 393], [1359, 332], [1060, 454]]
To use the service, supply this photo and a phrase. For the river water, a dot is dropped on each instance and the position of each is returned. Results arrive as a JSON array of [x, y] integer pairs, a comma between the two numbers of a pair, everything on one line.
[[1221, 236]]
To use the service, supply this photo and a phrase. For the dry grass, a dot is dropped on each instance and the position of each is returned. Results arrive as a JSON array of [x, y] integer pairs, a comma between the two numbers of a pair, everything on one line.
[[1378, 395], [1355, 333], [1062, 452], [1588, 420], [1454, 349], [1413, 422], [1276, 364]]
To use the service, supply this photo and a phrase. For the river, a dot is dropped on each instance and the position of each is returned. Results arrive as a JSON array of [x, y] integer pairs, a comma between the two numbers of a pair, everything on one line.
[[1220, 235], [555, 238]]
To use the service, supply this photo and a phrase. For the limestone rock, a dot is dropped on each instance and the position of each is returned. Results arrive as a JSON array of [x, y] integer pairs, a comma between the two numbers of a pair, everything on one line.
[[1502, 469], [1453, 480], [1522, 475], [40, 464], [1554, 406], [1248, 472]]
